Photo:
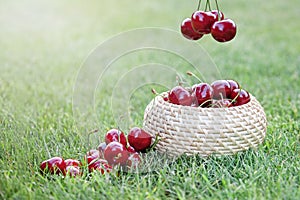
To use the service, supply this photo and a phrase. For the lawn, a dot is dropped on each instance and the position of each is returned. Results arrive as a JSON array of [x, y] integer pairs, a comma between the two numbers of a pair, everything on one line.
[[44, 44]]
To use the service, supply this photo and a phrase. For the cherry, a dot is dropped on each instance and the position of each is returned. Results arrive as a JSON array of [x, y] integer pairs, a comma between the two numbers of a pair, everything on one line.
[[115, 135], [104, 168], [202, 21], [217, 13], [116, 153], [188, 31], [73, 171], [180, 96], [101, 149], [241, 97], [139, 139], [73, 162], [223, 30], [55, 165], [203, 93], [233, 85], [92, 155], [221, 89], [130, 149], [134, 160], [222, 103], [94, 165], [73, 167]]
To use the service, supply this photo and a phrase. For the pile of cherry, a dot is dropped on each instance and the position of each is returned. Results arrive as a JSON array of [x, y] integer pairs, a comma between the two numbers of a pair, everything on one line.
[[117, 151], [208, 22], [218, 94]]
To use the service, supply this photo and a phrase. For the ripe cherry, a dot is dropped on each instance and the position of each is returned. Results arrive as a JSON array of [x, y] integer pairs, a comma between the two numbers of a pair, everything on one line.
[[116, 153], [241, 97], [233, 85], [73, 167], [73, 162], [101, 149], [130, 149], [202, 21], [180, 96], [134, 160], [139, 139], [224, 30], [92, 155], [203, 93], [221, 89], [217, 13], [73, 171], [96, 164], [115, 135], [55, 165], [188, 31], [104, 168]]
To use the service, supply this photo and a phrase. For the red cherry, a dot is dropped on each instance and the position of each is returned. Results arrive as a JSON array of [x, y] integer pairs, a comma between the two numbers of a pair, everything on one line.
[[165, 98], [224, 30], [202, 21], [115, 153], [139, 139], [134, 160], [216, 14], [180, 96], [123, 139], [73, 167], [233, 85], [105, 168], [101, 149], [203, 93], [73, 162], [94, 165], [73, 171], [188, 31], [115, 135], [241, 97], [130, 149], [221, 89], [222, 103], [92, 155], [55, 165], [111, 136]]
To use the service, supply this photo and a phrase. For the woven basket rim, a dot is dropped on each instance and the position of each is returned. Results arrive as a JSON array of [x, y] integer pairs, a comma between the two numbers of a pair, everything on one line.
[[160, 98]]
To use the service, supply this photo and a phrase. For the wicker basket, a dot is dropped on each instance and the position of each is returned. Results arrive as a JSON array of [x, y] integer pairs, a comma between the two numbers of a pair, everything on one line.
[[205, 131]]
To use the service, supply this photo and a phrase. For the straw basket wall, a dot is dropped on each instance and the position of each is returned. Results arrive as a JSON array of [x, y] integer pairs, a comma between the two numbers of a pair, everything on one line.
[[205, 131]]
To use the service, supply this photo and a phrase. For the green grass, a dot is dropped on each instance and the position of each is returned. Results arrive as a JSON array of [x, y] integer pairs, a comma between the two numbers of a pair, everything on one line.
[[42, 48]]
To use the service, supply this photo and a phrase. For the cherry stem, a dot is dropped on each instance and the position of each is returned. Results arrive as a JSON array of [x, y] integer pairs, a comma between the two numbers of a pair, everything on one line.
[[206, 102], [91, 132], [180, 81], [194, 75], [198, 8], [209, 4], [233, 100], [219, 13], [154, 144]]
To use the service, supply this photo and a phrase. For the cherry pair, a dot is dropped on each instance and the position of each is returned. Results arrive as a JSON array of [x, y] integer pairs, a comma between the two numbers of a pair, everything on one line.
[[208, 22]]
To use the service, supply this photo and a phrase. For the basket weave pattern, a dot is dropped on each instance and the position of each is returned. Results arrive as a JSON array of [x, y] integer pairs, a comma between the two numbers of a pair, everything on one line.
[[205, 131]]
